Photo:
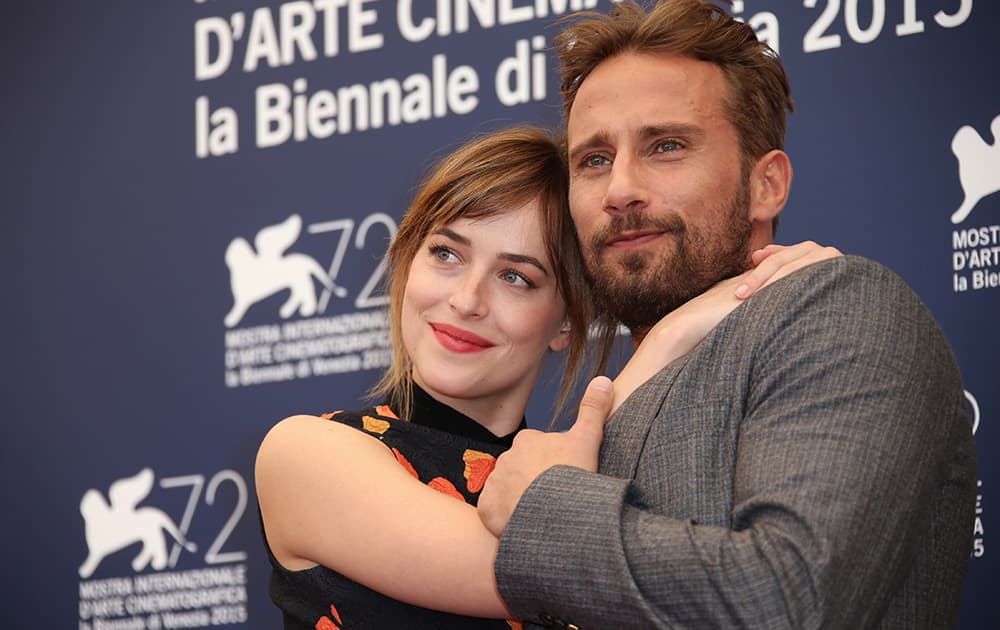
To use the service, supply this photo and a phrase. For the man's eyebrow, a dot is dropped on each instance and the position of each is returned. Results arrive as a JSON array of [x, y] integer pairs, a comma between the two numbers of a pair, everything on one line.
[[671, 129], [603, 138], [597, 139], [509, 257]]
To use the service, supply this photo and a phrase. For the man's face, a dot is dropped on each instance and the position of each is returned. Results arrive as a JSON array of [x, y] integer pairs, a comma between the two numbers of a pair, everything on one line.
[[656, 189]]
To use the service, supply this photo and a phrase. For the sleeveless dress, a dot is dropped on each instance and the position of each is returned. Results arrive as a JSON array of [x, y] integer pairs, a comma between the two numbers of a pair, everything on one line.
[[441, 447]]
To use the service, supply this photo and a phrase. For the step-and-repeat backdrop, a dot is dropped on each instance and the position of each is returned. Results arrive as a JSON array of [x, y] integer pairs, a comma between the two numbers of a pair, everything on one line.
[[197, 195]]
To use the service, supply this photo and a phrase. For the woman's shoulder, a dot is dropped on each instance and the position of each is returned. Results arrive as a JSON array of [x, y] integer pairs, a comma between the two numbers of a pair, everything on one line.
[[375, 421], [294, 436]]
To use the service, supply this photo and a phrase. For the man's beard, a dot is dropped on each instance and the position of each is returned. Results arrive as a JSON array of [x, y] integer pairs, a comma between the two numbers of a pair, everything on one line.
[[639, 288]]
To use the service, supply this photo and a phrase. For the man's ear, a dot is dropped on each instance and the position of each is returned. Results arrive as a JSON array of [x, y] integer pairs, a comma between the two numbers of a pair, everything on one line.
[[770, 182], [561, 341]]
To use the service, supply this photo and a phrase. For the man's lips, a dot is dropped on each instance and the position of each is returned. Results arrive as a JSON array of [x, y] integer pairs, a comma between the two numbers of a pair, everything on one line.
[[458, 339], [633, 238]]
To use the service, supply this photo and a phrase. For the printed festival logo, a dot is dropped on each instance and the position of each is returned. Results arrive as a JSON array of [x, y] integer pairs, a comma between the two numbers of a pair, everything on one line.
[[120, 523], [301, 340], [210, 590], [978, 166], [255, 275], [975, 256]]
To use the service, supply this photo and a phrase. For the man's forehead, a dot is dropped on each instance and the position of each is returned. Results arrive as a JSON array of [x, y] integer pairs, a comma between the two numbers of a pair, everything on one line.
[[645, 94]]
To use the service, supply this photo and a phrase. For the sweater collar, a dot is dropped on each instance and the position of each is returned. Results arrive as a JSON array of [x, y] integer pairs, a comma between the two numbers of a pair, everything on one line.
[[430, 412]]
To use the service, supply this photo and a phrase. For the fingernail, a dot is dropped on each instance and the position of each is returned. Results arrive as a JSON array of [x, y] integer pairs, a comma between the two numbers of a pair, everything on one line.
[[742, 290], [601, 382]]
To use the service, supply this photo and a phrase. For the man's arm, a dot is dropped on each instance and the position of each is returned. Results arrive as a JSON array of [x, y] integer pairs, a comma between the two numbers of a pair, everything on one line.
[[852, 407], [535, 451], [671, 338]]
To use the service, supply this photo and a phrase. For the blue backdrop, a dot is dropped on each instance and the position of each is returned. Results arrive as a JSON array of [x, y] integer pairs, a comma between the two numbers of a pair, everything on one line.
[[197, 197]]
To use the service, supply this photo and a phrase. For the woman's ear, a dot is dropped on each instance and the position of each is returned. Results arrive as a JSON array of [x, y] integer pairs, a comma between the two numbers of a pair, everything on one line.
[[770, 182], [561, 340]]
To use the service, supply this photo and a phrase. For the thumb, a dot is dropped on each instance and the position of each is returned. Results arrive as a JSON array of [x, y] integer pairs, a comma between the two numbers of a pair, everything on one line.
[[595, 406]]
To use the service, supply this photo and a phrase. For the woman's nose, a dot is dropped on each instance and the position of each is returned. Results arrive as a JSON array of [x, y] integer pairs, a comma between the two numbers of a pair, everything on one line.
[[468, 298]]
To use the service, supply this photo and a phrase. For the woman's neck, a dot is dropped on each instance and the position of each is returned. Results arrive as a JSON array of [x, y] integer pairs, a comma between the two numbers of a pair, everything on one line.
[[500, 414], [496, 417]]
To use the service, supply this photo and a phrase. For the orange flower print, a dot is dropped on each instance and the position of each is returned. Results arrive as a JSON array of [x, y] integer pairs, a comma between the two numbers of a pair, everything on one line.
[[374, 425], [405, 463], [325, 623], [330, 414], [384, 411], [478, 466], [443, 485]]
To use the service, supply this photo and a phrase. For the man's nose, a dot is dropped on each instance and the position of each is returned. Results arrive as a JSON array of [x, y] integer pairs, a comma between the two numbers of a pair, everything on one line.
[[626, 190]]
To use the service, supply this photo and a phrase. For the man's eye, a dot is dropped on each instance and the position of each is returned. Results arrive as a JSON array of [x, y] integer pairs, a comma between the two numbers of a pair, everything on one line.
[[595, 160], [668, 145]]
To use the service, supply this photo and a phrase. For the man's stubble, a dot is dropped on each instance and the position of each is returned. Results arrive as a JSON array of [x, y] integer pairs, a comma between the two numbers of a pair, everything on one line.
[[639, 288]]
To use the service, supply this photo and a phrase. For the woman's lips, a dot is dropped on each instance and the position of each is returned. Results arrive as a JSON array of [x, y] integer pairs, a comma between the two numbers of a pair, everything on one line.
[[458, 339]]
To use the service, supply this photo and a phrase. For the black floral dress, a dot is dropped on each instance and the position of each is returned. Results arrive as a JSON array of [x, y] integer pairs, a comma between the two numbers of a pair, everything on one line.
[[442, 448]]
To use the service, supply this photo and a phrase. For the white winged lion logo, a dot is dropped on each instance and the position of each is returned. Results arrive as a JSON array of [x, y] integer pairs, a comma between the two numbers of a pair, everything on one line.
[[254, 276], [110, 527], [978, 166]]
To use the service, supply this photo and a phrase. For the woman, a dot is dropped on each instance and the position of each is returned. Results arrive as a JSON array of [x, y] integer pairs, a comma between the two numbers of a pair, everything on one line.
[[486, 279]]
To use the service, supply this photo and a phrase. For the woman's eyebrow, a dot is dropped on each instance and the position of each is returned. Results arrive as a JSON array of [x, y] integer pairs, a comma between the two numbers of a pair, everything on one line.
[[508, 256], [521, 258]]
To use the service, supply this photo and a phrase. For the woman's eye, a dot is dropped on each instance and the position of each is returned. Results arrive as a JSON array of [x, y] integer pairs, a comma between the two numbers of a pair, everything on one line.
[[443, 254], [515, 278]]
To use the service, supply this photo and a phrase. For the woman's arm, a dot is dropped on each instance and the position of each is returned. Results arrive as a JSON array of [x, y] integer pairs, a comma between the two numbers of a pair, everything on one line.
[[331, 495], [334, 496], [682, 329]]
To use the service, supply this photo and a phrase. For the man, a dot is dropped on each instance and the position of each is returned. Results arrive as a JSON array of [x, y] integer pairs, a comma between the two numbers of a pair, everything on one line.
[[810, 463]]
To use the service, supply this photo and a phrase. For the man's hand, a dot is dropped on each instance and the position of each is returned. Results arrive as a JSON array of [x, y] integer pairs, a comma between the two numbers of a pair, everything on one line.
[[535, 451]]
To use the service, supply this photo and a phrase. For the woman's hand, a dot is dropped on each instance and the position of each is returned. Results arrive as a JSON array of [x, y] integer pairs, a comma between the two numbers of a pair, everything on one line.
[[777, 261], [682, 329]]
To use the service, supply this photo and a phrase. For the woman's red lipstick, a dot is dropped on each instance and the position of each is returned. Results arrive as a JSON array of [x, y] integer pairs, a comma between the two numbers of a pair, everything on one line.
[[458, 339]]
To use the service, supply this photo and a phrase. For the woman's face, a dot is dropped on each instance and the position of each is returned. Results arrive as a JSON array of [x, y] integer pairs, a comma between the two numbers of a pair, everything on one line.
[[480, 310]]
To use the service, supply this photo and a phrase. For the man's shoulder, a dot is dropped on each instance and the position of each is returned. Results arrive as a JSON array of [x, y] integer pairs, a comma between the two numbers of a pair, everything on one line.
[[850, 267], [833, 301], [852, 280]]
